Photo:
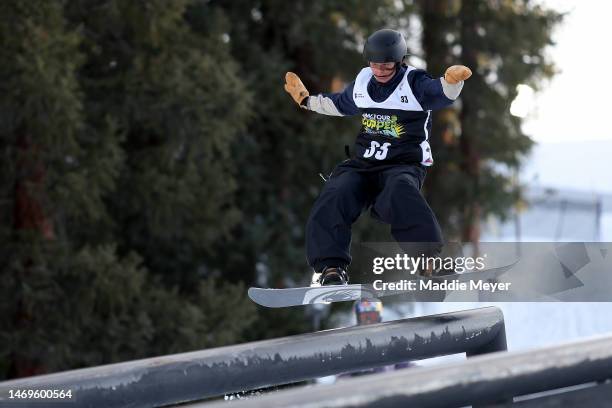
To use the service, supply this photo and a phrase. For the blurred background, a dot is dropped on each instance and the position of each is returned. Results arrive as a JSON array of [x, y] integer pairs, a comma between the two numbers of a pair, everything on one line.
[[153, 168]]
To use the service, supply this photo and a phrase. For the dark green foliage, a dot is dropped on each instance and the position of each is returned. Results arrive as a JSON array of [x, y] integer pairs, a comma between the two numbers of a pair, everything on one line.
[[116, 181], [179, 102], [90, 308]]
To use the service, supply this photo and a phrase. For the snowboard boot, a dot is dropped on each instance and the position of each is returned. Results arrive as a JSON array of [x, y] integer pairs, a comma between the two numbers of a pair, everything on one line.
[[330, 276]]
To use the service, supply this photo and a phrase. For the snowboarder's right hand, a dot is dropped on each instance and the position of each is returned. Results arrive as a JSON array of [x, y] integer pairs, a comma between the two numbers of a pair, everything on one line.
[[295, 88]]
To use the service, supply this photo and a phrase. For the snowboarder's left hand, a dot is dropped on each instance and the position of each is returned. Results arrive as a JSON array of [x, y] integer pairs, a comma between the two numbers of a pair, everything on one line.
[[457, 73], [295, 88]]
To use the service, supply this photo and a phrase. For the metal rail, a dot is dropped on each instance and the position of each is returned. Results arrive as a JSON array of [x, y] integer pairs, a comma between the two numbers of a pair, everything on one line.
[[480, 380], [198, 375]]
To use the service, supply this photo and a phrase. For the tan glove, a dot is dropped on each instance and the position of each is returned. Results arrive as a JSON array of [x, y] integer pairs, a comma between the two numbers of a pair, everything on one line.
[[295, 88], [457, 73]]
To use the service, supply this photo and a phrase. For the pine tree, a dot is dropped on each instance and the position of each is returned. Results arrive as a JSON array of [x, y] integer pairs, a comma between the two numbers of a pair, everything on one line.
[[178, 101], [477, 142], [114, 177]]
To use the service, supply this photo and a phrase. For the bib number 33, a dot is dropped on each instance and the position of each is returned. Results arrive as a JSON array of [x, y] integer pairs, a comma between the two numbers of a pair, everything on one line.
[[377, 150]]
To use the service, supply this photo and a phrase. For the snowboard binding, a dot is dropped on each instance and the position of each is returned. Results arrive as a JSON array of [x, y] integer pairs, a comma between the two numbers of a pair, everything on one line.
[[330, 276]]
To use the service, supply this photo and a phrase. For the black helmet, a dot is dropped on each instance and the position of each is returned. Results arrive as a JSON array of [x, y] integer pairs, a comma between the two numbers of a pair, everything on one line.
[[385, 46]]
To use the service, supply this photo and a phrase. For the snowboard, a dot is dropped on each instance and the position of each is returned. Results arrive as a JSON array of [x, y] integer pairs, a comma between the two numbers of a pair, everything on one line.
[[286, 297]]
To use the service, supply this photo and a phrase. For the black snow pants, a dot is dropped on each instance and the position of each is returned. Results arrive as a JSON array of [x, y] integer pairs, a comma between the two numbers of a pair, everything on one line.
[[394, 197]]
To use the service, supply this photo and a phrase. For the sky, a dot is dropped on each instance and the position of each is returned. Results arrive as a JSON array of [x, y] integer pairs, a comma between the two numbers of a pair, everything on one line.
[[574, 105], [569, 117]]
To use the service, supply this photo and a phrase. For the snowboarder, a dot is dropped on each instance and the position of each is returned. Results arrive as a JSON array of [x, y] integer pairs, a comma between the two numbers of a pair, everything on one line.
[[392, 154]]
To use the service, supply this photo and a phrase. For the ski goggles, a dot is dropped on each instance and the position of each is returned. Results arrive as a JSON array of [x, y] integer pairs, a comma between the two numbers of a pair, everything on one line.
[[383, 66]]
